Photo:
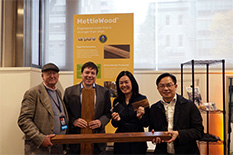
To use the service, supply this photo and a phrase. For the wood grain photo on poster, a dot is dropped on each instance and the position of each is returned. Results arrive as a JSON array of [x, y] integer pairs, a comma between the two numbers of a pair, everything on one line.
[[116, 51]]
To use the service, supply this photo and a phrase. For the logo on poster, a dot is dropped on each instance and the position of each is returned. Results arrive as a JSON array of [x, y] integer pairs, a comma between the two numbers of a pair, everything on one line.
[[97, 20], [102, 38], [86, 39]]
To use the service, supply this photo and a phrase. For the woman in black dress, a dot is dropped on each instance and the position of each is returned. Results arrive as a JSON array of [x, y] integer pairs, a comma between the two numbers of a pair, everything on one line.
[[125, 118]]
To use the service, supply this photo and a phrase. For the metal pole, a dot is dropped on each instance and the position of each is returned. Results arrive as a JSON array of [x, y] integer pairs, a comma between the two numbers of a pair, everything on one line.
[[193, 79], [224, 109], [207, 99], [229, 116], [181, 79]]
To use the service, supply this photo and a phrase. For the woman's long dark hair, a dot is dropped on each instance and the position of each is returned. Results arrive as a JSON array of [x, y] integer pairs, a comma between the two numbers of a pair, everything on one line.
[[135, 89]]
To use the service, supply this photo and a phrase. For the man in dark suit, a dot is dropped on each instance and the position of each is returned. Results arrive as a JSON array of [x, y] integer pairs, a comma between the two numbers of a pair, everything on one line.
[[176, 115], [73, 101], [43, 114]]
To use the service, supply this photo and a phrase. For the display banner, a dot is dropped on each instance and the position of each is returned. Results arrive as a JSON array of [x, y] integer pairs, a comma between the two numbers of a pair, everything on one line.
[[106, 40]]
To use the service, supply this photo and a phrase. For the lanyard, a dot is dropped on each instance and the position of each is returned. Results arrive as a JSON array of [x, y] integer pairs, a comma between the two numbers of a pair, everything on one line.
[[57, 105]]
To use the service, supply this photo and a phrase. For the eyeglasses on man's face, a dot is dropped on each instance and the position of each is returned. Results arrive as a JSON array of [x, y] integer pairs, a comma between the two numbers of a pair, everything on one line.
[[163, 86]]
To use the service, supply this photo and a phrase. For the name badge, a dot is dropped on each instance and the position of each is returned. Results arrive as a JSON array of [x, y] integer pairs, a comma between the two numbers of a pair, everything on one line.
[[63, 123]]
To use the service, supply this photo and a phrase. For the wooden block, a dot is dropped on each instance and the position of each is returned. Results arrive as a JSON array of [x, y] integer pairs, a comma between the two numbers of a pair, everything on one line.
[[108, 137], [88, 114], [144, 103]]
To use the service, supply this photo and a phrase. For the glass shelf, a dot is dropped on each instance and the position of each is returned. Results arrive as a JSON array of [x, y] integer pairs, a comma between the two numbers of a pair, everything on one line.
[[202, 62], [211, 112], [220, 142]]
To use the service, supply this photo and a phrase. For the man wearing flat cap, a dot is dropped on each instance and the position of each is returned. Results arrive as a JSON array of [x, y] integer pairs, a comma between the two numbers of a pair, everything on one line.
[[43, 114]]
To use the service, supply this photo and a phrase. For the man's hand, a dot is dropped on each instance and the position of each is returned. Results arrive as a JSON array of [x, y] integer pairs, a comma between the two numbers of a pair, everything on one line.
[[95, 124], [156, 140], [140, 112], [116, 116], [80, 123], [174, 135], [47, 141]]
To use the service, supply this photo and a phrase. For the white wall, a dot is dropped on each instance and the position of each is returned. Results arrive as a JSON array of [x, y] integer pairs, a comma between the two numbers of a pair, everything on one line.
[[15, 81]]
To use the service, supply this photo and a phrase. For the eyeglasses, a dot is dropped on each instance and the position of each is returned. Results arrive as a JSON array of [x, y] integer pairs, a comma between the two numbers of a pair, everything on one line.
[[169, 86]]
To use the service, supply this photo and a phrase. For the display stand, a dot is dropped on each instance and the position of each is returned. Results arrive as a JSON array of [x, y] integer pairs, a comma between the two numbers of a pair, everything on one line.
[[207, 63]]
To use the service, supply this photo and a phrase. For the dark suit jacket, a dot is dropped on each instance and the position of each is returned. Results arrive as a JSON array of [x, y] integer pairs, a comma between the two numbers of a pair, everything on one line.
[[102, 111], [187, 121]]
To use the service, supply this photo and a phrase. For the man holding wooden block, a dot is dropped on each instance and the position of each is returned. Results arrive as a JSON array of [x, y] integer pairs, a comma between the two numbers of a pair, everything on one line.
[[177, 115], [88, 105], [43, 114]]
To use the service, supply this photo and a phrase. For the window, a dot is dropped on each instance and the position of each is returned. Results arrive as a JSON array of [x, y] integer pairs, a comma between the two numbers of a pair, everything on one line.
[[35, 33], [1, 34], [180, 40], [206, 27], [167, 44], [180, 20], [167, 20], [55, 33]]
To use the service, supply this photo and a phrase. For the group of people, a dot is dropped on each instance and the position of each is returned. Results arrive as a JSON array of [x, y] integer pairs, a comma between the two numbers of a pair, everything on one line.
[[44, 114]]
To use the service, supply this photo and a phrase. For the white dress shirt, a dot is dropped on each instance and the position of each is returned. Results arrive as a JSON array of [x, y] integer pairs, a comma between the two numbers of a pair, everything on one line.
[[169, 112]]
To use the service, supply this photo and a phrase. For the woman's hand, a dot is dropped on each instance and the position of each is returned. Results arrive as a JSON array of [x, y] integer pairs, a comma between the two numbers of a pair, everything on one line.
[[116, 116], [140, 112]]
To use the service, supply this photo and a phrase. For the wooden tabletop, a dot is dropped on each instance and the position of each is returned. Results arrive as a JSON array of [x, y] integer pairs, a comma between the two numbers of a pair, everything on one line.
[[108, 137]]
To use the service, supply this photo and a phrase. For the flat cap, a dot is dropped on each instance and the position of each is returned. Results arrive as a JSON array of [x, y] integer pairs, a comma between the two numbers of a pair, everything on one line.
[[50, 66]]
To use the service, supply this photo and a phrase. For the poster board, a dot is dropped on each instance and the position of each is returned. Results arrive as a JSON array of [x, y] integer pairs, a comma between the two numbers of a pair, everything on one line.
[[106, 40]]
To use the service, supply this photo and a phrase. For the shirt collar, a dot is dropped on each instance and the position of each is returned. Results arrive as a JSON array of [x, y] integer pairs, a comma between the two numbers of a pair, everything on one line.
[[49, 87], [172, 101], [83, 86]]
